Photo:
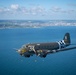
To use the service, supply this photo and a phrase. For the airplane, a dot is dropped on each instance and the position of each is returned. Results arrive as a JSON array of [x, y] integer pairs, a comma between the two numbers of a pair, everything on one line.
[[43, 49]]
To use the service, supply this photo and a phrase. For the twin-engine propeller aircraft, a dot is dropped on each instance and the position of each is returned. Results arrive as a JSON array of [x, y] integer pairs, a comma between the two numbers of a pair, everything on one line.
[[42, 49]]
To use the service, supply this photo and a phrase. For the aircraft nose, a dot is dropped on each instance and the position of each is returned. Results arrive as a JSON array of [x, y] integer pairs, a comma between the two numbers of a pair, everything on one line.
[[21, 51], [18, 51]]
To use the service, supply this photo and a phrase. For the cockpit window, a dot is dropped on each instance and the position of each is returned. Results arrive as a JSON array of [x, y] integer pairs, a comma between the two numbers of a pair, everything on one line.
[[24, 46]]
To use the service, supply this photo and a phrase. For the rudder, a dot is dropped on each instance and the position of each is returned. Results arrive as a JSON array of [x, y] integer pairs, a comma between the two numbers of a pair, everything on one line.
[[67, 39]]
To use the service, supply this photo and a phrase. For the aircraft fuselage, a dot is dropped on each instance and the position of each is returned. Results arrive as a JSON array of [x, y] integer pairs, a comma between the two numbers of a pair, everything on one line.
[[42, 49]]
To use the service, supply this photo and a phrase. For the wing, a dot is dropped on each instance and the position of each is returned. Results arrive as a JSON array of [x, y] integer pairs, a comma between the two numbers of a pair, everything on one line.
[[65, 49], [43, 53]]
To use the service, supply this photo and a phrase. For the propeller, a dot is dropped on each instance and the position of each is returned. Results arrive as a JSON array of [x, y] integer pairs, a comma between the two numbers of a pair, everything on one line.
[[16, 49], [19, 58]]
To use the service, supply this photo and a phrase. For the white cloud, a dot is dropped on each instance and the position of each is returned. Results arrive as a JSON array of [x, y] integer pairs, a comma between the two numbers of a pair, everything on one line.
[[24, 10], [4, 10], [69, 11], [7, 10], [56, 9], [40, 9], [14, 6], [37, 10], [74, 5], [1, 9]]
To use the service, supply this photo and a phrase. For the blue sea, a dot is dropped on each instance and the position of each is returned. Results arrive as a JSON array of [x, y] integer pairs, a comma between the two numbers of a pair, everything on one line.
[[11, 63]]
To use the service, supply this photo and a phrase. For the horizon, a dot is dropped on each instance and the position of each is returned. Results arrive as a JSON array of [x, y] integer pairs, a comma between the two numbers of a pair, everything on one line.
[[39, 19]]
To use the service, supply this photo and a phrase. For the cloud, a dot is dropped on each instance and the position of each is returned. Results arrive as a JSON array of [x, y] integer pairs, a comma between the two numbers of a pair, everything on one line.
[[15, 6], [4, 10], [24, 10], [11, 9], [35, 10], [55, 9], [1, 9], [69, 11], [74, 5]]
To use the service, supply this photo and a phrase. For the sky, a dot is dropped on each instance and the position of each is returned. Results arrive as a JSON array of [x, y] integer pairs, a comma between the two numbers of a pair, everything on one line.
[[37, 9]]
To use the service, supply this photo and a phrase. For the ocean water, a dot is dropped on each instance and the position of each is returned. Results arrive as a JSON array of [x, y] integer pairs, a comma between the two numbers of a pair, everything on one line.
[[11, 63]]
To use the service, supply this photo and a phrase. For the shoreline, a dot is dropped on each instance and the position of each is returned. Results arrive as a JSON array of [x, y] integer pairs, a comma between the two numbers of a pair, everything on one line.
[[34, 27]]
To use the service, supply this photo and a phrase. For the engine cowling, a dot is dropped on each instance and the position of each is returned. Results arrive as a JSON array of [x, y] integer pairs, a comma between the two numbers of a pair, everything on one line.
[[42, 55], [26, 54]]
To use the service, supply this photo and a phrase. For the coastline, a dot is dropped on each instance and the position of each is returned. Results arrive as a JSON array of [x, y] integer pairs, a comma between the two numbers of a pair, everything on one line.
[[8, 24]]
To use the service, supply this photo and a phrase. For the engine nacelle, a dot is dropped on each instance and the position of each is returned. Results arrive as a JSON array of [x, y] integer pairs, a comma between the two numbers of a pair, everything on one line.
[[42, 55], [26, 54]]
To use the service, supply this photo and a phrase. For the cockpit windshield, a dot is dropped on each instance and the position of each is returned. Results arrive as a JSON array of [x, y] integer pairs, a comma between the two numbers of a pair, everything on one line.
[[24, 46]]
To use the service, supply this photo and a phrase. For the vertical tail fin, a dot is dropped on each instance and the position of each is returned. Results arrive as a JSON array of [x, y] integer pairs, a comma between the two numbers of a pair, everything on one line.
[[67, 39], [65, 42]]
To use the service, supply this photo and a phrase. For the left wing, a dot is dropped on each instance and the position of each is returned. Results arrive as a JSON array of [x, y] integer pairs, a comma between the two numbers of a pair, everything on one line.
[[43, 53]]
